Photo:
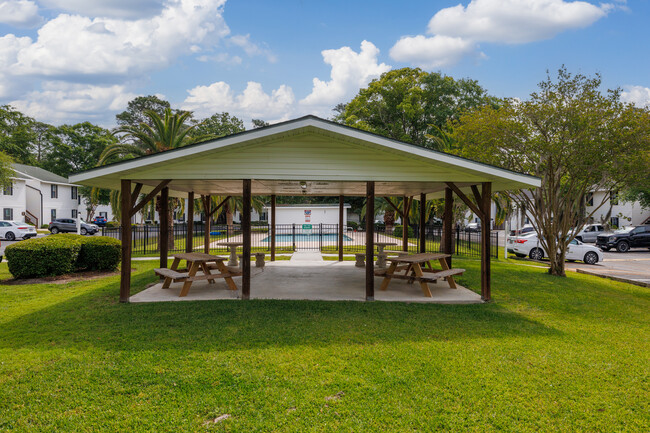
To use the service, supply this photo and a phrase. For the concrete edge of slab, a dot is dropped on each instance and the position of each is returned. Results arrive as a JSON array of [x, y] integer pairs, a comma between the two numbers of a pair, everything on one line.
[[611, 277]]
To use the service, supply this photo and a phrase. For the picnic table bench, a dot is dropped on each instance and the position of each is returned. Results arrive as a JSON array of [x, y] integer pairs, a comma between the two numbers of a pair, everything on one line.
[[412, 265], [196, 262]]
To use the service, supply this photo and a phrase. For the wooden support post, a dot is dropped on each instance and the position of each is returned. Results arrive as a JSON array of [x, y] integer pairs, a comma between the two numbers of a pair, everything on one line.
[[246, 239], [206, 226], [486, 196], [405, 223], [423, 217], [189, 244], [447, 224], [163, 236], [341, 199], [370, 241], [125, 278], [273, 227]]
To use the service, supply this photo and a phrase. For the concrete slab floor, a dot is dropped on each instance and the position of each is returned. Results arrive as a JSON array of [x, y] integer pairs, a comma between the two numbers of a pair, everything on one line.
[[311, 280]]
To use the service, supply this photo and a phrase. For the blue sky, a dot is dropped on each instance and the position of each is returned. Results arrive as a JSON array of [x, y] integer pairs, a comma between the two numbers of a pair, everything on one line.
[[66, 61]]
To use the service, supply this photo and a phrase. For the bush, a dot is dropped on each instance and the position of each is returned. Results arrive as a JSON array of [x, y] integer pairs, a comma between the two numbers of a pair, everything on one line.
[[398, 231], [62, 254], [99, 253], [353, 225], [43, 257]]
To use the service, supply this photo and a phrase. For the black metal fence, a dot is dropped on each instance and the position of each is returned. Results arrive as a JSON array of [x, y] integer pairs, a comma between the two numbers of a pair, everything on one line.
[[292, 237]]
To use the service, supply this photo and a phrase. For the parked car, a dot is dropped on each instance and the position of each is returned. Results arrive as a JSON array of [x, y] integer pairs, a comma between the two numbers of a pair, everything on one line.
[[61, 225], [526, 229], [530, 246], [625, 238], [12, 230], [473, 227], [589, 233], [100, 221]]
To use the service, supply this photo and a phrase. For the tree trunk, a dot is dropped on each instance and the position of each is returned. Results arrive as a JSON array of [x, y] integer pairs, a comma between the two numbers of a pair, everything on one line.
[[229, 214]]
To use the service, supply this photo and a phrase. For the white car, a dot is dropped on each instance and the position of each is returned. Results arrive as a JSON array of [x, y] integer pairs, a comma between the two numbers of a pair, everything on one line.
[[11, 230], [531, 246]]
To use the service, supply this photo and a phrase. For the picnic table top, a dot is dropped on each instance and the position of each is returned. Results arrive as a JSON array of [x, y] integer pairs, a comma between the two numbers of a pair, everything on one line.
[[196, 257], [419, 258], [230, 244]]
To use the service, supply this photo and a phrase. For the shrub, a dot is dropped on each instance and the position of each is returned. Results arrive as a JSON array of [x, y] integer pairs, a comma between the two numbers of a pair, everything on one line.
[[62, 254], [353, 225], [42, 257], [99, 253], [398, 231]]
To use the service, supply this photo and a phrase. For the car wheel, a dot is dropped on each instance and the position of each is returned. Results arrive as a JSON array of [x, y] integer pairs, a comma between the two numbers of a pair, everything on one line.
[[536, 254], [10, 236], [84, 231], [623, 247], [591, 258], [54, 230]]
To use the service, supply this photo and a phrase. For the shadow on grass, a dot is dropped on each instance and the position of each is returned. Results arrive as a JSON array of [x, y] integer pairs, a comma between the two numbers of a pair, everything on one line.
[[95, 319]]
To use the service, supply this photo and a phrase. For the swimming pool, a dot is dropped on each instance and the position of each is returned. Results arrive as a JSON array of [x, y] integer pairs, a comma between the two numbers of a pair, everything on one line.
[[302, 237]]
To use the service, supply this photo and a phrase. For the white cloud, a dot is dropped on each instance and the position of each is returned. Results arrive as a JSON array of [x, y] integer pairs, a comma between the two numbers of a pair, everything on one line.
[[350, 71], [19, 13], [514, 21], [434, 52], [61, 102], [637, 95], [251, 48], [128, 9], [253, 102], [10, 46], [493, 21], [72, 45]]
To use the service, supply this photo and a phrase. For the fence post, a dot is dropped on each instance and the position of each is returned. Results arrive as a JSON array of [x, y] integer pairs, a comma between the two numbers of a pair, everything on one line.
[[293, 235], [457, 238], [320, 237]]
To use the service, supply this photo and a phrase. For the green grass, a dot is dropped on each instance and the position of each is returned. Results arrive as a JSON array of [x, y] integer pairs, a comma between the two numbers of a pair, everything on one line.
[[549, 354]]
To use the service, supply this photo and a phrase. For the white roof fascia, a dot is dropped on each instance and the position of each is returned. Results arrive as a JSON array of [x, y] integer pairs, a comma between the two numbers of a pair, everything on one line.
[[302, 123]]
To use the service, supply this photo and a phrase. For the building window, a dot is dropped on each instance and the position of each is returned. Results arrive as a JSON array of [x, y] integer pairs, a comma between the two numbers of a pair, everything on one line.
[[614, 222], [590, 199], [613, 198], [9, 189], [8, 214], [53, 214], [54, 191], [74, 192], [74, 213]]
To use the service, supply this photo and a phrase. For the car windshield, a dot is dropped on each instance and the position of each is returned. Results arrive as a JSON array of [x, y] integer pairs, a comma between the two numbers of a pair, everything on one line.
[[625, 229]]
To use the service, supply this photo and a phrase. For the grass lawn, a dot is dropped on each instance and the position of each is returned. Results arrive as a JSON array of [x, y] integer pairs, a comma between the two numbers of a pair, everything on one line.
[[548, 354]]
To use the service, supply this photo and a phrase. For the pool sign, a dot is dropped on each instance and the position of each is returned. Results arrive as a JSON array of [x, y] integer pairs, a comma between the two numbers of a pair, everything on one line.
[[306, 226], [308, 216]]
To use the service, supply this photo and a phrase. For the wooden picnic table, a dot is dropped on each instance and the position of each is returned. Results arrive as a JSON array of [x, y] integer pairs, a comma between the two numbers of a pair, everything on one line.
[[196, 261], [415, 266], [232, 246]]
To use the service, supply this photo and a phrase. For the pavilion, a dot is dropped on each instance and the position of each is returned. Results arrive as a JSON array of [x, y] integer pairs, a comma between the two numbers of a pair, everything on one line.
[[305, 156]]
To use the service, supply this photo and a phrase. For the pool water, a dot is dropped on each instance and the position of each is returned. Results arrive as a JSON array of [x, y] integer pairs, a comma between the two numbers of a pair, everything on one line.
[[314, 237]]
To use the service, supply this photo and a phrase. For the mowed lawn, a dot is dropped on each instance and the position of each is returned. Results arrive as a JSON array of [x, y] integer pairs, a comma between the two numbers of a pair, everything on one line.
[[549, 354]]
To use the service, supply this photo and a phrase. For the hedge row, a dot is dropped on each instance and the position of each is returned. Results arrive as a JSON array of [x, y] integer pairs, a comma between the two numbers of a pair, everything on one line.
[[398, 230], [62, 254]]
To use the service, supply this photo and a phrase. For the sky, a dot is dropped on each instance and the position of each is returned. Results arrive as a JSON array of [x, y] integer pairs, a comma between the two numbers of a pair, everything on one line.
[[69, 61]]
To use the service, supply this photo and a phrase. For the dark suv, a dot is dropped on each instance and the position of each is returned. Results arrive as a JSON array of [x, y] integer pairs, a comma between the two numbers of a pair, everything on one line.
[[625, 238], [61, 225]]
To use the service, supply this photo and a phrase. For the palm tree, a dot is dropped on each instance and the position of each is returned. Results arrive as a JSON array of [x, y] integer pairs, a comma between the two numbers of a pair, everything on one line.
[[159, 134], [234, 204]]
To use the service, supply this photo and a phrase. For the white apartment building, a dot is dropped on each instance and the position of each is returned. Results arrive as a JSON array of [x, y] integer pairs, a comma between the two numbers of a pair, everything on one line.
[[37, 196], [616, 212]]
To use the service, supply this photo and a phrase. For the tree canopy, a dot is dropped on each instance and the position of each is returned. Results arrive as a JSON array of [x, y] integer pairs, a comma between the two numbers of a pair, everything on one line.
[[412, 105], [218, 125], [573, 136]]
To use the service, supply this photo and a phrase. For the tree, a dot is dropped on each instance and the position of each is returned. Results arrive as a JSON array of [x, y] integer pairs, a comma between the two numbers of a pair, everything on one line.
[[218, 125], [575, 138], [259, 123], [136, 110], [157, 134], [6, 170], [412, 105], [16, 135], [75, 148]]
